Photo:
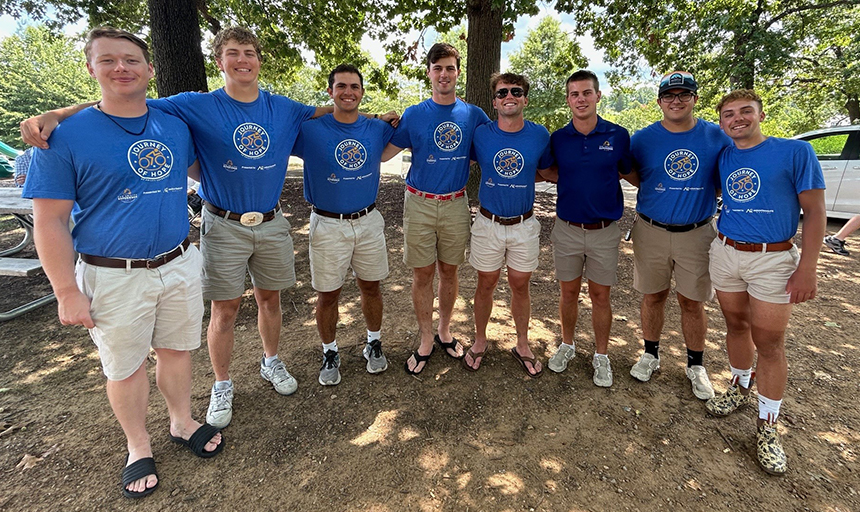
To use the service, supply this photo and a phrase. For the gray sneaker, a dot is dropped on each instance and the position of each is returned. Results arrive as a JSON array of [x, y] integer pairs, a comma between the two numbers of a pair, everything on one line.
[[563, 355], [836, 245], [277, 374], [646, 365], [220, 407], [602, 371], [702, 388], [330, 371], [376, 361]]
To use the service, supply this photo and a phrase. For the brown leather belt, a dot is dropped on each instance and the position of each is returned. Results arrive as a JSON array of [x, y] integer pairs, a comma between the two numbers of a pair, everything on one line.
[[505, 221], [266, 217], [594, 225], [753, 247], [167, 257], [674, 228], [346, 216], [438, 197]]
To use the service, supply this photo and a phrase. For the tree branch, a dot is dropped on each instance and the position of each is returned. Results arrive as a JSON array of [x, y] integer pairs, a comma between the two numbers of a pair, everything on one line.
[[803, 8]]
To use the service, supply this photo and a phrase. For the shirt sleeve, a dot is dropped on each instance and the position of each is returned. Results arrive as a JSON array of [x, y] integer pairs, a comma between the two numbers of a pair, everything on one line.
[[51, 175], [807, 170], [299, 146], [402, 137], [625, 164]]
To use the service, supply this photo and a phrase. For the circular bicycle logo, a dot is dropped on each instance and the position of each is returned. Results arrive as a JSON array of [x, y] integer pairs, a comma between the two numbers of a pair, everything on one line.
[[150, 159], [448, 136], [681, 164], [251, 140], [508, 163], [743, 185], [350, 154]]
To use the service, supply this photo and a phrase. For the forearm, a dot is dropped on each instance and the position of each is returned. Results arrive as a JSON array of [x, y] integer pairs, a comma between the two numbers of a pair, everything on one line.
[[57, 254], [814, 225]]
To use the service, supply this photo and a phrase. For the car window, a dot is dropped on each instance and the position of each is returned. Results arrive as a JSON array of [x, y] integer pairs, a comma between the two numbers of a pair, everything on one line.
[[829, 147]]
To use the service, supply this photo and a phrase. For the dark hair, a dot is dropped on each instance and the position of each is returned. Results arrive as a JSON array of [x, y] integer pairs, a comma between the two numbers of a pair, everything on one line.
[[440, 51], [740, 94], [583, 74], [239, 34], [509, 78], [115, 33], [345, 68]]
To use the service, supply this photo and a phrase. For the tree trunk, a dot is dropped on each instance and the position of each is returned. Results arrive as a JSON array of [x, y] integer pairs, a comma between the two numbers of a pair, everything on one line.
[[176, 49], [853, 108], [484, 50]]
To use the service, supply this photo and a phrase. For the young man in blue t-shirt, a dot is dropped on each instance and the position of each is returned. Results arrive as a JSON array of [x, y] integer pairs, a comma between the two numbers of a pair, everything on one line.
[[119, 169], [675, 168], [755, 266], [590, 154], [342, 153], [510, 152], [243, 136], [435, 209]]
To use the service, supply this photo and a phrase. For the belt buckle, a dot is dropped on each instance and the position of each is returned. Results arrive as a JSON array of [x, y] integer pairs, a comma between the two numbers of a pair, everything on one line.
[[251, 219]]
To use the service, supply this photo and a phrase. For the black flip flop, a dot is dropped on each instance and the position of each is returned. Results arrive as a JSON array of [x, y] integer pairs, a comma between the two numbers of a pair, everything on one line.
[[418, 360], [451, 345], [199, 439], [135, 471]]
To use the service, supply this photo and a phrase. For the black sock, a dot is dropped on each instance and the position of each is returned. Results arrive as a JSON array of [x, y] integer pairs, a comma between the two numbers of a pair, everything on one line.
[[694, 357], [652, 347]]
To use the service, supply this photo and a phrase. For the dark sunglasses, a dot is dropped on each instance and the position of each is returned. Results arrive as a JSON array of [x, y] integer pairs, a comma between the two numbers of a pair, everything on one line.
[[516, 92]]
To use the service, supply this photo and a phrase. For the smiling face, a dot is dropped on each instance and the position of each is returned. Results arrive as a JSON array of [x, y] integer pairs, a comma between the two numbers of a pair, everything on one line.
[[510, 105], [239, 62], [582, 98], [346, 91], [675, 110], [741, 120], [119, 66], [443, 76]]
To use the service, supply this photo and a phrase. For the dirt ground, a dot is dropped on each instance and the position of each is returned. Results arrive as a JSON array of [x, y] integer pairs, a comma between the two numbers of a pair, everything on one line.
[[449, 439]]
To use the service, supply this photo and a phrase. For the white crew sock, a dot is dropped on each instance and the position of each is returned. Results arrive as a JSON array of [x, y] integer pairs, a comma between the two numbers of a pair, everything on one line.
[[768, 410], [374, 335], [742, 375], [330, 346]]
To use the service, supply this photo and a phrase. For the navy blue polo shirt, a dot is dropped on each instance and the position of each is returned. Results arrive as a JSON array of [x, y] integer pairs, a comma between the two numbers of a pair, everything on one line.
[[588, 168]]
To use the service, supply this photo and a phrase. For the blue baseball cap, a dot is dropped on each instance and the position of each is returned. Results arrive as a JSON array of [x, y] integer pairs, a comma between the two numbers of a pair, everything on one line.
[[678, 80]]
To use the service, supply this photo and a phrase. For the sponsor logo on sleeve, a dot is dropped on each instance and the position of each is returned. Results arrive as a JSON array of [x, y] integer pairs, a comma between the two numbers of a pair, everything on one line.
[[151, 160]]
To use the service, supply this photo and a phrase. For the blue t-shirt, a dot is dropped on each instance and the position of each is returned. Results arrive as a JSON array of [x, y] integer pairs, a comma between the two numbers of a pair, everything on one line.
[[129, 191], [588, 167], [342, 161], [243, 147], [509, 161], [678, 171], [760, 188], [440, 137]]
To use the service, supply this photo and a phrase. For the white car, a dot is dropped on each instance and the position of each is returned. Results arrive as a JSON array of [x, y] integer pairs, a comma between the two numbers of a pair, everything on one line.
[[838, 151]]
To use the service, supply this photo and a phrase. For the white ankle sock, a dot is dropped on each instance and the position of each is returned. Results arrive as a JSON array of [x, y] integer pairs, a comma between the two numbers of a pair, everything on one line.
[[330, 346], [374, 335], [768, 410], [223, 384], [269, 361], [742, 375]]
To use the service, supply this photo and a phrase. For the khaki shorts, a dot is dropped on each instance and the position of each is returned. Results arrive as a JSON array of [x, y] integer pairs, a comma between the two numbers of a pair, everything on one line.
[[231, 249], [434, 229], [592, 253], [493, 244], [335, 245], [141, 308], [763, 275], [657, 253]]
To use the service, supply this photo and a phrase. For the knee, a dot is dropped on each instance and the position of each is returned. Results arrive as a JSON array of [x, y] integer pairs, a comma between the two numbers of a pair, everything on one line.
[[690, 307], [327, 300], [223, 315], [655, 300], [268, 301], [737, 325], [771, 351], [599, 298]]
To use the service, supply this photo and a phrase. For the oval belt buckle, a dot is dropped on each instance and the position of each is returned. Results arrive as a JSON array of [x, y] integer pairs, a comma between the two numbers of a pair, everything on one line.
[[251, 218]]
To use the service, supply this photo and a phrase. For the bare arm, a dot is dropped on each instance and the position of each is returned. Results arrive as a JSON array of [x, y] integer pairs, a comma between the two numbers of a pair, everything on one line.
[[57, 254], [549, 174], [36, 130], [194, 171], [390, 152], [803, 284], [632, 177]]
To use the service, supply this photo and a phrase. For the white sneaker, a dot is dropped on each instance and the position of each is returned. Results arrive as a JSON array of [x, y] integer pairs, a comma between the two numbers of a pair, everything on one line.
[[701, 383], [220, 411], [563, 355], [277, 374], [646, 365], [602, 371]]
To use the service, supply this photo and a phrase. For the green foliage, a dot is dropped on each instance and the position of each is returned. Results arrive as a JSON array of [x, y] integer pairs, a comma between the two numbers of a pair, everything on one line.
[[547, 57], [41, 70]]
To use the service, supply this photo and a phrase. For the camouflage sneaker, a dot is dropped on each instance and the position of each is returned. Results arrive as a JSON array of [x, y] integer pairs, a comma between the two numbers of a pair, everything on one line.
[[731, 400], [771, 456]]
